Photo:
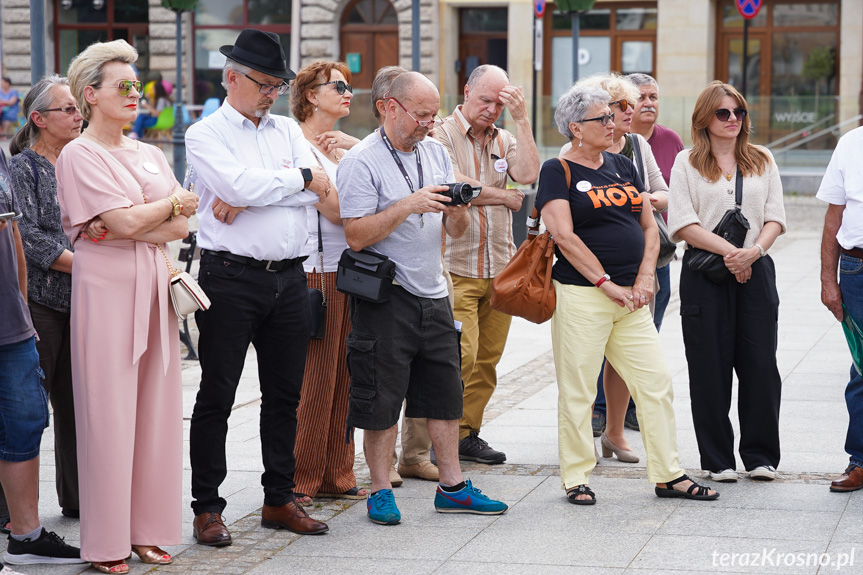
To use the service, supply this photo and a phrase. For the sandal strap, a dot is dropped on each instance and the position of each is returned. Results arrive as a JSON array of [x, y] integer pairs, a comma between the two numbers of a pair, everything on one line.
[[674, 482], [580, 490], [697, 489]]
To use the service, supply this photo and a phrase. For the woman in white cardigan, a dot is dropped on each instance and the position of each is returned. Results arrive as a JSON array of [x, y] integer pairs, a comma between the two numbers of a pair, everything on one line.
[[730, 325], [613, 401]]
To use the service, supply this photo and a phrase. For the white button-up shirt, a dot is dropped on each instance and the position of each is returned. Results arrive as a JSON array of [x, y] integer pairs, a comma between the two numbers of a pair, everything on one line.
[[255, 166]]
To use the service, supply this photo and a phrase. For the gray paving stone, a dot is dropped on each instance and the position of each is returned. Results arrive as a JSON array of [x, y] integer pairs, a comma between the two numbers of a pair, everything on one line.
[[344, 566], [697, 554], [475, 568], [707, 521]]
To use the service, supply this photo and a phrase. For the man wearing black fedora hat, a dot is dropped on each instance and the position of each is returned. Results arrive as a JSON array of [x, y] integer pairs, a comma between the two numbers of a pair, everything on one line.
[[254, 173]]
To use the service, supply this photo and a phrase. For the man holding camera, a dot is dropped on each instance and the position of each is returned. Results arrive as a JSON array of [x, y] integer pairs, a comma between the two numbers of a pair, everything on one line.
[[406, 347], [484, 155]]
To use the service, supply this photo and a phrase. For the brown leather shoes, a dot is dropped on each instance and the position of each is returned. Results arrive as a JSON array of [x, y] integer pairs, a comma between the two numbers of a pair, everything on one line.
[[292, 517], [209, 529], [851, 480], [422, 470]]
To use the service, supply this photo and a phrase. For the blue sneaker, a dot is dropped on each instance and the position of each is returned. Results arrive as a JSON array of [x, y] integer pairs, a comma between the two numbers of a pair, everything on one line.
[[382, 508], [469, 499]]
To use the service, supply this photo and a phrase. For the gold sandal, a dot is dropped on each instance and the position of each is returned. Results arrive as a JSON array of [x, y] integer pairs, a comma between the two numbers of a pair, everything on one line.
[[115, 567], [152, 555]]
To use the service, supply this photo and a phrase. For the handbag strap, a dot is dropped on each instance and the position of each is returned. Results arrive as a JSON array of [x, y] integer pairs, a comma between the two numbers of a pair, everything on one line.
[[738, 189], [533, 220], [35, 171], [321, 257], [639, 165], [173, 271]]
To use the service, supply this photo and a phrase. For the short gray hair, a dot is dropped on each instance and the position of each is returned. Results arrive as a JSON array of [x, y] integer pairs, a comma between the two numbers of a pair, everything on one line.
[[38, 99], [480, 71], [640, 79], [236, 67], [382, 83], [574, 105]]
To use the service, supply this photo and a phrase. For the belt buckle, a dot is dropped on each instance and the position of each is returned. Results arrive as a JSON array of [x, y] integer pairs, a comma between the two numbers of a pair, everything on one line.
[[269, 263]]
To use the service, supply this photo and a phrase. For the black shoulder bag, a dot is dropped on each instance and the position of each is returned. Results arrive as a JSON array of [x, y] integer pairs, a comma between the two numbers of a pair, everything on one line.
[[733, 227], [667, 248]]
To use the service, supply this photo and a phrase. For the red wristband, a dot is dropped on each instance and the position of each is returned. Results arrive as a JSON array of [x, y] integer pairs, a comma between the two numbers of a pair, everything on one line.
[[602, 280]]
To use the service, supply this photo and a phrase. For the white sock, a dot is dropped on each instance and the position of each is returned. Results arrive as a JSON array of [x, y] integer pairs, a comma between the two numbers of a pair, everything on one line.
[[32, 536]]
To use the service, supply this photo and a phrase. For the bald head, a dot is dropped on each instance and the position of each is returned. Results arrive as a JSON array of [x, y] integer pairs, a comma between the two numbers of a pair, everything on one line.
[[413, 97], [482, 104]]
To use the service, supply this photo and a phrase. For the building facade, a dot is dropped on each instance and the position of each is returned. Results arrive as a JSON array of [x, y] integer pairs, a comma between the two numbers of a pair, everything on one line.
[[803, 71]]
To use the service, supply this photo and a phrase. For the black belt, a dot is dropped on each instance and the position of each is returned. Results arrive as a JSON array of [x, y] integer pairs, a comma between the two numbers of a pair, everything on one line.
[[853, 252], [269, 265]]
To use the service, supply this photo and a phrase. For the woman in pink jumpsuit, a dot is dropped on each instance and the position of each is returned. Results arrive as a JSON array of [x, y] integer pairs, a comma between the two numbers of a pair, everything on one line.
[[119, 201]]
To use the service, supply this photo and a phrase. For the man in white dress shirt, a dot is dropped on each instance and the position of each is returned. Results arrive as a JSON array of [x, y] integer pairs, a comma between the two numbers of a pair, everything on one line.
[[253, 173]]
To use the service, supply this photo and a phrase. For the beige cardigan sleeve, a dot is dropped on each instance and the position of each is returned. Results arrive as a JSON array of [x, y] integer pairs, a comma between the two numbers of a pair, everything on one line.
[[654, 182]]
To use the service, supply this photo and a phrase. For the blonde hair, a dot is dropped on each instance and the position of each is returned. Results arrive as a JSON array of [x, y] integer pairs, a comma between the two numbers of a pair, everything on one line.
[[86, 68], [750, 159], [617, 86]]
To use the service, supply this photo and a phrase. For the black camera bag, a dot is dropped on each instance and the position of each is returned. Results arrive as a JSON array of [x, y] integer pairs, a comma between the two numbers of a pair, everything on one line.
[[366, 275]]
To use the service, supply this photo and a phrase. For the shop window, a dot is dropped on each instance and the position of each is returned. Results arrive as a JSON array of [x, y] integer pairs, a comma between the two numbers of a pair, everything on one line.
[[636, 19], [811, 14], [731, 18], [483, 20], [590, 20], [218, 23]]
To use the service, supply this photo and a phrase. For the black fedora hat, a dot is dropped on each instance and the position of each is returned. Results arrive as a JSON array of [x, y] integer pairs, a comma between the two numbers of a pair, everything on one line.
[[260, 51]]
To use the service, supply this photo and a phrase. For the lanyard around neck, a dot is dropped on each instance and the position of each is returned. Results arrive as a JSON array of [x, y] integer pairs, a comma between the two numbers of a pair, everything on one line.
[[398, 161]]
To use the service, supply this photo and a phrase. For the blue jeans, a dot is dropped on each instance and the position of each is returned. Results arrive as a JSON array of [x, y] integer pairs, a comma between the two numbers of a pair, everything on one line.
[[851, 284], [663, 296], [23, 402], [142, 122]]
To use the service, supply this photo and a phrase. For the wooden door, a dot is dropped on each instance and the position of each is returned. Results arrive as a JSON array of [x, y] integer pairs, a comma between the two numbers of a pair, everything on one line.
[[370, 29]]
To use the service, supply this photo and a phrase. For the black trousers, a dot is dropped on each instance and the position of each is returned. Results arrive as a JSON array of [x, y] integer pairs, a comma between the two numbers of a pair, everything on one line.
[[55, 359], [270, 310], [733, 326]]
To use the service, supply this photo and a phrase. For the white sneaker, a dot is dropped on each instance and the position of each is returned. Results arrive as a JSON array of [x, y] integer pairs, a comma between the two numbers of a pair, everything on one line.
[[724, 476], [763, 473]]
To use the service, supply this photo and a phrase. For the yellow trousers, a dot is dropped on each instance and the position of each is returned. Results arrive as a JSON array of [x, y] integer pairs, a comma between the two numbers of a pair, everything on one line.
[[483, 337], [585, 326]]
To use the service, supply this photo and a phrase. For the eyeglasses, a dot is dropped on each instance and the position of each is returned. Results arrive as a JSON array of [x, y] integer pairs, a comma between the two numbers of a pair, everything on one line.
[[624, 105], [340, 86], [267, 89], [604, 120], [125, 86], [422, 124], [68, 110], [724, 114]]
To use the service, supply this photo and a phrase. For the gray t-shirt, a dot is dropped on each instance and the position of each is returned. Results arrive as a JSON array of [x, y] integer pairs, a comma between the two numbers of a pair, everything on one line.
[[15, 325], [369, 181]]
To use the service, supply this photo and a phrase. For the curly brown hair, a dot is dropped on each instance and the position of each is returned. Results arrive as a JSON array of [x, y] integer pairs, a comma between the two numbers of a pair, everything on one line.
[[307, 77]]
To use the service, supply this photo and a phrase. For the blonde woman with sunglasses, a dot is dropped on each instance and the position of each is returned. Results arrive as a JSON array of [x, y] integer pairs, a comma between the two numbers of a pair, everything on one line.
[[120, 205], [730, 326], [606, 244]]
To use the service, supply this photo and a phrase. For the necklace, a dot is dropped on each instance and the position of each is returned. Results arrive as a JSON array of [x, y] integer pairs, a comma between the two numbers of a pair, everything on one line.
[[103, 142], [336, 158], [726, 173]]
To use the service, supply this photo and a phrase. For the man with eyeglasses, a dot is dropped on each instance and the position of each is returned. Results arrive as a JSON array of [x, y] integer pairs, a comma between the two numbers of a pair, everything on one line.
[[254, 173], [486, 156], [407, 347]]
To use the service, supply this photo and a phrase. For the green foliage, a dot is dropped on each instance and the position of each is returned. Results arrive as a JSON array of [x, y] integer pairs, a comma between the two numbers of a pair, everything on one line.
[[820, 64], [180, 5]]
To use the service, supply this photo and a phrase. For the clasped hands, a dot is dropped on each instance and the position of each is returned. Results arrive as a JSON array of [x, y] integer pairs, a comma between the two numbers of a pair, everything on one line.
[[739, 262], [639, 296]]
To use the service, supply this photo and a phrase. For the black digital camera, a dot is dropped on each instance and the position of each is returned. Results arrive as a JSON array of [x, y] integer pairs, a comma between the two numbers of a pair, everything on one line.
[[461, 193]]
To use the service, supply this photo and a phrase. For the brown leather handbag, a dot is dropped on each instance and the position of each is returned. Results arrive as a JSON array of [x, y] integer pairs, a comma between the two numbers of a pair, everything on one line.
[[524, 287]]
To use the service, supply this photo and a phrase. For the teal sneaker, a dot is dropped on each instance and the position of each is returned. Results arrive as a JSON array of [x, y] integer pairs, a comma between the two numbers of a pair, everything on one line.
[[469, 499], [382, 508]]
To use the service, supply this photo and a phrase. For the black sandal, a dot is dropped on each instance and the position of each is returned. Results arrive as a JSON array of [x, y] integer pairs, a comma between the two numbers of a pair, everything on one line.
[[571, 495], [695, 490]]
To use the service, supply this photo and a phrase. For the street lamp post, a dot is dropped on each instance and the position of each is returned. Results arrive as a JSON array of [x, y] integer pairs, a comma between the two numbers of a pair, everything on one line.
[[178, 138], [574, 8]]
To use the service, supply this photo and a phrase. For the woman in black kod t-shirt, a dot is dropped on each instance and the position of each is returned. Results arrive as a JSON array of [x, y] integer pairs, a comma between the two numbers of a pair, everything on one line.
[[606, 242]]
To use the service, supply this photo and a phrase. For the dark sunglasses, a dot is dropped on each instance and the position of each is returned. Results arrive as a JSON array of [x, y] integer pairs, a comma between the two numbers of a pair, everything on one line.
[[624, 105], [340, 86], [604, 120], [724, 114], [267, 89], [68, 110]]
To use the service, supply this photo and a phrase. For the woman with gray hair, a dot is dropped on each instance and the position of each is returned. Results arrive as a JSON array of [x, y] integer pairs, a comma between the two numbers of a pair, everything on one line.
[[53, 120], [606, 243], [120, 204]]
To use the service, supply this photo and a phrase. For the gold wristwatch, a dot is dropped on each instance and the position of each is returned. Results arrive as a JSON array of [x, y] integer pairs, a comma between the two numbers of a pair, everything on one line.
[[177, 208]]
